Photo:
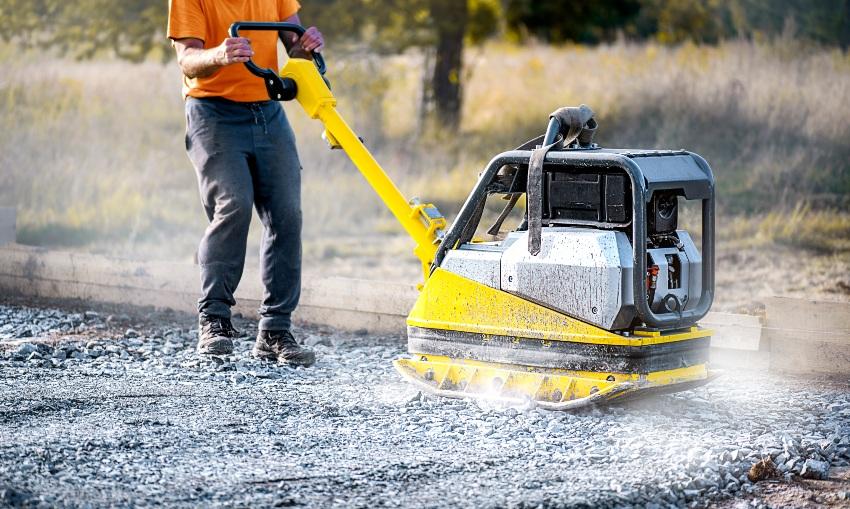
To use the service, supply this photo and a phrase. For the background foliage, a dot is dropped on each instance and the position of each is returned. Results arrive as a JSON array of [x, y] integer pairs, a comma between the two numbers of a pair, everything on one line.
[[92, 154], [134, 29]]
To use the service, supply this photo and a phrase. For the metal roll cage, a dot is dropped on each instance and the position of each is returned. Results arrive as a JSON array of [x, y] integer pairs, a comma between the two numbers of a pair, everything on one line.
[[611, 162]]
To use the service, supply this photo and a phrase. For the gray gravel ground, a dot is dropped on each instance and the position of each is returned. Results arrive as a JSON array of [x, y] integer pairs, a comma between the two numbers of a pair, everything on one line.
[[131, 416]]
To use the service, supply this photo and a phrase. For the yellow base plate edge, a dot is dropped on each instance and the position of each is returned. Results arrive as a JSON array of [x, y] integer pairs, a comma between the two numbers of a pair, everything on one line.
[[547, 389]]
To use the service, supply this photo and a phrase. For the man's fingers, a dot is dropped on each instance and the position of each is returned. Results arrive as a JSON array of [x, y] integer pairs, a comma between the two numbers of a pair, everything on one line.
[[312, 39], [236, 50], [241, 52], [237, 42], [234, 59], [311, 44]]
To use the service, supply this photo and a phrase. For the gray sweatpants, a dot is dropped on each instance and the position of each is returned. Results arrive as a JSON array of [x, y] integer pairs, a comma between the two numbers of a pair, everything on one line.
[[244, 156]]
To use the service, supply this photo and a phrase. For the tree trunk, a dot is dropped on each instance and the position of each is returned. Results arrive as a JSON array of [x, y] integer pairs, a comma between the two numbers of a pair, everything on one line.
[[844, 37], [450, 17]]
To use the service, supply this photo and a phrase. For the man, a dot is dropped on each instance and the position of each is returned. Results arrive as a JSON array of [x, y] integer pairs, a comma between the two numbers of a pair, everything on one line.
[[243, 151]]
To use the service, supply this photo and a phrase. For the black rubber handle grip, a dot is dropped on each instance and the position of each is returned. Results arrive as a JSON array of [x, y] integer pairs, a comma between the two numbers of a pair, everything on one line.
[[276, 27]]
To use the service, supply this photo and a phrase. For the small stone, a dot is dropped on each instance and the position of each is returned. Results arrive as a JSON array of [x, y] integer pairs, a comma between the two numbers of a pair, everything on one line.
[[316, 340], [690, 493], [814, 469], [764, 469], [91, 315], [25, 349], [13, 497], [131, 333]]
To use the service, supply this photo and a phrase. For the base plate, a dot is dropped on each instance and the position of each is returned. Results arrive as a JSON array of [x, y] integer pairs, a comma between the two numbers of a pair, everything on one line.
[[545, 388]]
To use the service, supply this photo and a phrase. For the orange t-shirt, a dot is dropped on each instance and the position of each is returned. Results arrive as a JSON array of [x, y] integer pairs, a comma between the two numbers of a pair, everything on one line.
[[208, 20]]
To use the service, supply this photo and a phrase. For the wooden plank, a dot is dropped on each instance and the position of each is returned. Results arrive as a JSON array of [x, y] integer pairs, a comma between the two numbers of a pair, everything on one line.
[[809, 315], [8, 218], [29, 262], [343, 293], [808, 337], [361, 295], [344, 319], [98, 293], [809, 357], [733, 331], [348, 304]]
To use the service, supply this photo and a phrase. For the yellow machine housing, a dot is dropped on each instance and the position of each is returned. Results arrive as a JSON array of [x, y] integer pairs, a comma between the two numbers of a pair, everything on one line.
[[468, 339]]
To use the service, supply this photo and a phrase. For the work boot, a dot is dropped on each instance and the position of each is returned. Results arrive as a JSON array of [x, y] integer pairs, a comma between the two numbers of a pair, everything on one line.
[[281, 346], [215, 335]]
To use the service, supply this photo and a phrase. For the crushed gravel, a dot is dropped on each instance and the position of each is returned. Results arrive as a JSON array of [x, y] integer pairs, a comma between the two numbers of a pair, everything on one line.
[[99, 411]]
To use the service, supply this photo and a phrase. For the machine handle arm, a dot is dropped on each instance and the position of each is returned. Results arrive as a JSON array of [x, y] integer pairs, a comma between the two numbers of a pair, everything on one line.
[[275, 27], [279, 89], [302, 80]]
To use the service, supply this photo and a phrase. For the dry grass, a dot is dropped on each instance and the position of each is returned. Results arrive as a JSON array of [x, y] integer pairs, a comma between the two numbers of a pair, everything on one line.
[[92, 153], [819, 232]]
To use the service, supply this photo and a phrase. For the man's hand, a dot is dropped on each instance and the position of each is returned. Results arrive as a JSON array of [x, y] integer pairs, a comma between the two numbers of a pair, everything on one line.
[[312, 40], [233, 50]]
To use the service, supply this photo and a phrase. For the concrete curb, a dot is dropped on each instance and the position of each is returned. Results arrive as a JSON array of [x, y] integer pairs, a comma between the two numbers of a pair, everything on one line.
[[822, 346], [349, 304]]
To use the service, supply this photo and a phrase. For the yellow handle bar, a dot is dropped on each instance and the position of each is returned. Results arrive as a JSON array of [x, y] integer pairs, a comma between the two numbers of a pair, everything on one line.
[[421, 221]]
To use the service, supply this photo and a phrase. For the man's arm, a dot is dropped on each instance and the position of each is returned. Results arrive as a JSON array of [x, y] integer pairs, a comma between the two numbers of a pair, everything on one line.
[[197, 62]]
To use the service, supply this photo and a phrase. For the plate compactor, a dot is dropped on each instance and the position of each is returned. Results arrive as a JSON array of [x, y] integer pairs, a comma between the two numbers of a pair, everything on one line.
[[594, 297]]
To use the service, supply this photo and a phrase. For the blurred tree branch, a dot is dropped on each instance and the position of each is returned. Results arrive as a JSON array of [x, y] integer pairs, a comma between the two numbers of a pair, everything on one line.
[[675, 21], [132, 29]]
